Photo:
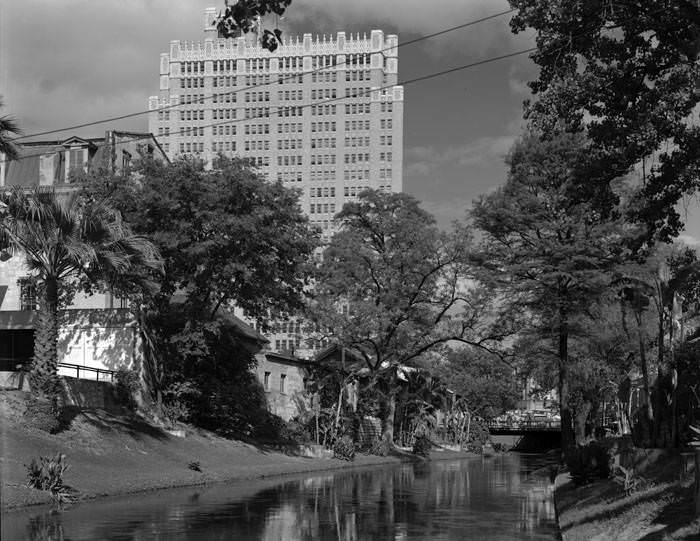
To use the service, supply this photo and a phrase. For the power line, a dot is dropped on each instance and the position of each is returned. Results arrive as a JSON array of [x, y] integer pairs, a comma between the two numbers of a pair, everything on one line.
[[322, 102], [285, 78]]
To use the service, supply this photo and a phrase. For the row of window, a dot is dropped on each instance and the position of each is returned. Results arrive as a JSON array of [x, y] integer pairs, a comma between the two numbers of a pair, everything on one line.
[[357, 108], [356, 174], [224, 81], [324, 77], [323, 93], [357, 158], [322, 208], [224, 114], [289, 160], [224, 66], [322, 191], [192, 82], [193, 67], [288, 144], [257, 145], [357, 141], [256, 129], [357, 92], [191, 147], [323, 126], [355, 125], [290, 95], [361, 75], [192, 131], [289, 176], [223, 146], [318, 175], [257, 96], [322, 159], [290, 128], [326, 142], [323, 110], [225, 97], [385, 140], [227, 129], [197, 114], [257, 64], [187, 99]]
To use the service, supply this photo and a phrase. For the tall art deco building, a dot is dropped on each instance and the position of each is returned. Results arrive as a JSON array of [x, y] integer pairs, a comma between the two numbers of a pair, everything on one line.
[[321, 114]]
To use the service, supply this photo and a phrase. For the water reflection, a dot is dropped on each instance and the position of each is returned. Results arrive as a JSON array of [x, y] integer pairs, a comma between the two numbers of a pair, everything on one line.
[[489, 498]]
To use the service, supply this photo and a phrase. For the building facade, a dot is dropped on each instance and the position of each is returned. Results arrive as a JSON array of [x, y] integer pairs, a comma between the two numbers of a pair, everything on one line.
[[321, 114], [97, 333]]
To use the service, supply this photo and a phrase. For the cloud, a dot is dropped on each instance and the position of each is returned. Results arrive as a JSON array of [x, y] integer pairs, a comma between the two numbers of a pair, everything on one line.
[[481, 152], [417, 17]]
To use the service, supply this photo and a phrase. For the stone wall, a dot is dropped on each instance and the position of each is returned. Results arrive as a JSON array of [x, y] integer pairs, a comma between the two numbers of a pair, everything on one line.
[[87, 394]]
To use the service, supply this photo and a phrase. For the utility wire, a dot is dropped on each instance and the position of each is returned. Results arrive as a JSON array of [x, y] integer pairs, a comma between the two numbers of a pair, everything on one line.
[[183, 130], [285, 78]]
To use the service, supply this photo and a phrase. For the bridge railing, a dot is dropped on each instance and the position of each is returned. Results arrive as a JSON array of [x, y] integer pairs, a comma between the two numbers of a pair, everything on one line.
[[525, 424]]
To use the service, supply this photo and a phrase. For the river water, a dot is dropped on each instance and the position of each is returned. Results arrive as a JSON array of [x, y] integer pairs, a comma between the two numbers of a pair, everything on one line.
[[480, 498]]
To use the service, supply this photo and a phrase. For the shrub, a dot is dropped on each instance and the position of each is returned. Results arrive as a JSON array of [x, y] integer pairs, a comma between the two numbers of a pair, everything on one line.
[[194, 466], [422, 446], [47, 474], [127, 384], [588, 463], [294, 431], [344, 448], [380, 447], [174, 411], [42, 414]]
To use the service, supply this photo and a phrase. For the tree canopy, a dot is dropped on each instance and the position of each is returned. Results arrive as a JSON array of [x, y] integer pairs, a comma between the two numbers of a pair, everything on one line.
[[625, 74]]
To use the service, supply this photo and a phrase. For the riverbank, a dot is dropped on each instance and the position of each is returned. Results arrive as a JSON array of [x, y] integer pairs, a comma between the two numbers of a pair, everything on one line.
[[661, 506], [112, 455]]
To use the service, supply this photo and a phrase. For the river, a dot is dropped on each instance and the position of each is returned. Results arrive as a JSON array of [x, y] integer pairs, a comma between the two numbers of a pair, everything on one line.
[[480, 498]]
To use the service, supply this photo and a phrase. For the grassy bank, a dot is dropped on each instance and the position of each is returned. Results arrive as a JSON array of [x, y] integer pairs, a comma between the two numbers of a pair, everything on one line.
[[115, 455], [661, 507]]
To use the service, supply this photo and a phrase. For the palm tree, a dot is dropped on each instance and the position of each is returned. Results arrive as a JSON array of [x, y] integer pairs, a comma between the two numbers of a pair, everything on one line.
[[8, 126], [65, 238]]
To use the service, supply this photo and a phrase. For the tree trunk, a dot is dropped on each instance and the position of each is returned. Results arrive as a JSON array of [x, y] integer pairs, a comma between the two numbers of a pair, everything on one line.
[[44, 371], [388, 417], [567, 429], [645, 376], [697, 482], [580, 422]]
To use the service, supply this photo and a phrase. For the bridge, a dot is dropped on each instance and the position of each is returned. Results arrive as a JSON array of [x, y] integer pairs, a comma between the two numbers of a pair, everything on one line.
[[527, 426]]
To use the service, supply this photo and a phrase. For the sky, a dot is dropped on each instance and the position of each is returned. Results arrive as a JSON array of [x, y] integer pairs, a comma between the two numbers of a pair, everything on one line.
[[73, 61]]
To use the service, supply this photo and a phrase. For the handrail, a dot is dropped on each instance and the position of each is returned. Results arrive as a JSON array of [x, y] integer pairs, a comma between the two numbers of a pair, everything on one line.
[[79, 367], [22, 364]]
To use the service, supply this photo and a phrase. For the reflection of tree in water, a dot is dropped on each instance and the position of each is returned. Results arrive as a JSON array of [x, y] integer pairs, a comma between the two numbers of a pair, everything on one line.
[[45, 527], [428, 499]]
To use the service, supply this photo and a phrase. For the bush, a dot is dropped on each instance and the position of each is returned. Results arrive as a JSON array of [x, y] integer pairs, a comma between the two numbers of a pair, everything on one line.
[[127, 384], [42, 414], [174, 411], [296, 432], [344, 448], [380, 447], [588, 463], [422, 446], [47, 474], [195, 466]]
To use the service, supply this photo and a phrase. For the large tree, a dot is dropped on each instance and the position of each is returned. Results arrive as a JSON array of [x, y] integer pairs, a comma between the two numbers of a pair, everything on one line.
[[64, 240], [627, 75], [229, 238], [393, 287], [545, 247]]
